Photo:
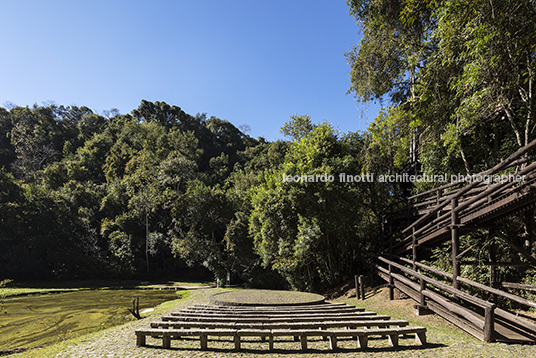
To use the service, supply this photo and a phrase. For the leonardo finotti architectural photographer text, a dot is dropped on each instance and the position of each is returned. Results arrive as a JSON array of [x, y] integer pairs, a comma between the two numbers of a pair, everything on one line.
[[401, 178]]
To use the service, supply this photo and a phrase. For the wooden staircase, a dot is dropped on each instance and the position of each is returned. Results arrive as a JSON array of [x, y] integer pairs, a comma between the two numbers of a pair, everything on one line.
[[448, 212]]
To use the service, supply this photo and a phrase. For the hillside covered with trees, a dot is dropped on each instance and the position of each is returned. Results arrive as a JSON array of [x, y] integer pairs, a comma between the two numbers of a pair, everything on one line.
[[160, 193]]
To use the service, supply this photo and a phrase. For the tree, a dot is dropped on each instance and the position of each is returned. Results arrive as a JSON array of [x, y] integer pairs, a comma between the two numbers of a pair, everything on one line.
[[298, 127], [307, 228], [459, 73]]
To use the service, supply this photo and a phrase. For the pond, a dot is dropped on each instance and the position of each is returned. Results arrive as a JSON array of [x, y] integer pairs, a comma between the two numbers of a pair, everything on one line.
[[39, 320]]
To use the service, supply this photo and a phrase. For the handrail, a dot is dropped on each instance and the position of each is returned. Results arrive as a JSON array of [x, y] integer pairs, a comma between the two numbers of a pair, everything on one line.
[[494, 189], [500, 166], [519, 286], [475, 300], [454, 183], [473, 283], [436, 297]]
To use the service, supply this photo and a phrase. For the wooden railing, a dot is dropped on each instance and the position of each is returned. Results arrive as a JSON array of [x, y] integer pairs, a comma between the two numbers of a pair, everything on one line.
[[473, 315], [457, 202]]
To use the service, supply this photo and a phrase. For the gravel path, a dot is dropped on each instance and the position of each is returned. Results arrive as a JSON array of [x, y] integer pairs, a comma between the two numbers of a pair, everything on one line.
[[121, 342]]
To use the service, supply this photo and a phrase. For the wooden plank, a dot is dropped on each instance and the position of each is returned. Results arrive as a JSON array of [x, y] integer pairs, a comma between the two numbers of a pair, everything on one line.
[[316, 306], [468, 315], [268, 316], [273, 307], [499, 292], [450, 317], [426, 267], [355, 316], [338, 309], [500, 166], [525, 323], [519, 286], [439, 285], [481, 286]]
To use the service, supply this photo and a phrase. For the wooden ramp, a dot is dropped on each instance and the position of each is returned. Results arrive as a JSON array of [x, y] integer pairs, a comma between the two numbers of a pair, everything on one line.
[[482, 319], [446, 213]]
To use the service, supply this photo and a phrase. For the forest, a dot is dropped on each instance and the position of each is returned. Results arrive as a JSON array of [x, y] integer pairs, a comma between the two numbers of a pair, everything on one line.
[[159, 193]]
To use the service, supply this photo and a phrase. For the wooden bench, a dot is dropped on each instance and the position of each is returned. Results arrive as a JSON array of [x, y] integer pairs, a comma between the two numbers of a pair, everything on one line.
[[258, 312], [280, 325], [337, 309], [274, 308], [167, 334], [265, 319], [361, 335], [302, 334], [269, 315], [275, 316], [393, 334]]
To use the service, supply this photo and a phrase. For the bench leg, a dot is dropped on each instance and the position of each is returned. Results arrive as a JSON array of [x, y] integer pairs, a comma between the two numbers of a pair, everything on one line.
[[393, 339], [362, 342], [296, 338], [333, 342], [420, 338], [140, 340], [166, 341], [203, 338], [324, 338], [237, 343], [271, 343], [303, 341]]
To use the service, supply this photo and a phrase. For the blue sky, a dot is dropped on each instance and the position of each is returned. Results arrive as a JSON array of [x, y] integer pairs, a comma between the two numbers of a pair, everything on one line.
[[249, 62]]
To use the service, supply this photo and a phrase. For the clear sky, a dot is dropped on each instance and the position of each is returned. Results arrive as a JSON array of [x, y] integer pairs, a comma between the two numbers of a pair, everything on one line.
[[249, 62]]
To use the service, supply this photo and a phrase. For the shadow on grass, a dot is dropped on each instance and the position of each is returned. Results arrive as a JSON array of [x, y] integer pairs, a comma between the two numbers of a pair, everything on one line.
[[307, 351], [264, 350]]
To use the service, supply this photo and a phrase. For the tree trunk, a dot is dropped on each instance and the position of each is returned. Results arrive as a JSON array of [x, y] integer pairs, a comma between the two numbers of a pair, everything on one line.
[[147, 239]]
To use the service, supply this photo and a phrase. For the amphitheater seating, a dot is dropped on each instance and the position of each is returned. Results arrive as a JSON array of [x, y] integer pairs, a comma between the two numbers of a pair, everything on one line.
[[329, 321]]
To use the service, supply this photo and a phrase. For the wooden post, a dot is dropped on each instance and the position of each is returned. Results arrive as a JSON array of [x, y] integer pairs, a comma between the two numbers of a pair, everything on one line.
[[529, 219], [414, 248], [489, 324], [423, 287], [356, 288], [439, 195], [333, 342], [421, 309], [391, 285], [492, 269], [140, 340], [166, 341], [455, 243], [303, 342], [362, 286], [237, 342], [203, 340]]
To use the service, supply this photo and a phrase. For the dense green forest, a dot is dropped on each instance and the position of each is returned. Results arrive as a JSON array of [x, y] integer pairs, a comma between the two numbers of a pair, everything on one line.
[[159, 193]]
